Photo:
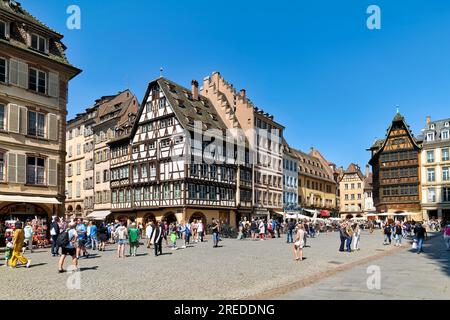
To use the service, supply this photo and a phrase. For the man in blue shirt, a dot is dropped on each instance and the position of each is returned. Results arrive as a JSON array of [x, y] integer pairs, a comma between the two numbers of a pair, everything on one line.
[[94, 238], [82, 237]]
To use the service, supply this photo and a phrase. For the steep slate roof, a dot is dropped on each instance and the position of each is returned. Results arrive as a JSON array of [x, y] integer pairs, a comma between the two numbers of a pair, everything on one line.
[[16, 12], [439, 126], [186, 109], [352, 169], [313, 165], [379, 144]]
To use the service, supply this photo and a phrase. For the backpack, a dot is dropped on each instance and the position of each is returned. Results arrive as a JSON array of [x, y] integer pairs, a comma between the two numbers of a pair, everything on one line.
[[63, 239]]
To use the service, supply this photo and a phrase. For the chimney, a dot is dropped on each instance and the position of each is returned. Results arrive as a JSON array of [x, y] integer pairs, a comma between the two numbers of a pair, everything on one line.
[[367, 170], [194, 84], [242, 93], [428, 119]]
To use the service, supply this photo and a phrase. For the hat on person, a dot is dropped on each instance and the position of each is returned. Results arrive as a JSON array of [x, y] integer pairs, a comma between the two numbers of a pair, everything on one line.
[[9, 239]]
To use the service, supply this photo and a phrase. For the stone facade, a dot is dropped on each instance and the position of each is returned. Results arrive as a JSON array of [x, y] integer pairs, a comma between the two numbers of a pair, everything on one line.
[[34, 81], [435, 169]]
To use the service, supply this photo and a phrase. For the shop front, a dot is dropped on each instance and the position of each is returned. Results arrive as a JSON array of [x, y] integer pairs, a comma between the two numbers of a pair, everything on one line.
[[38, 214]]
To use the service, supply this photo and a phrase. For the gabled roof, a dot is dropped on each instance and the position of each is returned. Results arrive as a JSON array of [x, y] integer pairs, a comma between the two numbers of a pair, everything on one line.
[[310, 163], [353, 169], [379, 145], [184, 107]]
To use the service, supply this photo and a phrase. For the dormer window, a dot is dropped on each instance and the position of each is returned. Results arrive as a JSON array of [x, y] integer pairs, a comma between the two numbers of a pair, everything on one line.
[[4, 30], [430, 136], [446, 125], [39, 43], [432, 126], [445, 135]]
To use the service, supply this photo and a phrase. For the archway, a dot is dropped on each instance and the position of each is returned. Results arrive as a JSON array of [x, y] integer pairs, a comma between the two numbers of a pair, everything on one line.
[[198, 216], [78, 208], [149, 217], [170, 218], [69, 209]]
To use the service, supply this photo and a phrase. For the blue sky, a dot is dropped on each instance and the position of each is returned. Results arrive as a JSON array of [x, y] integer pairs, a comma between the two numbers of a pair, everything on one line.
[[314, 65]]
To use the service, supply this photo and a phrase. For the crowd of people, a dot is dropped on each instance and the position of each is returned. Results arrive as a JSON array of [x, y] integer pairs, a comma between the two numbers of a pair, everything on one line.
[[73, 237]]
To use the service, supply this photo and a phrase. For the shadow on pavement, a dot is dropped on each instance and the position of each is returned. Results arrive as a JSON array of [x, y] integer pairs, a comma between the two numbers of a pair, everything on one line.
[[435, 249]]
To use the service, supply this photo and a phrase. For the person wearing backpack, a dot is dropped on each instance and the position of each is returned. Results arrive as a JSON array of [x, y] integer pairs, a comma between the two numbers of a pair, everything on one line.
[[66, 241], [121, 236], [447, 236]]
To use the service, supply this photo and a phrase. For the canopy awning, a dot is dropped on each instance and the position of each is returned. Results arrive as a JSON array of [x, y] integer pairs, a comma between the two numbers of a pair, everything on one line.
[[407, 214], [26, 199], [310, 211], [297, 216], [98, 215], [325, 213]]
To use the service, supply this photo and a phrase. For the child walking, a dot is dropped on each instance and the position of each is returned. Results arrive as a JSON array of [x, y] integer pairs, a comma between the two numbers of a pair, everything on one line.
[[8, 250]]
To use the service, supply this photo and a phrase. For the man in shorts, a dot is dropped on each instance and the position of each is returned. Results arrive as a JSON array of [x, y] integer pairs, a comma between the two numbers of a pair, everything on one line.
[[69, 249], [82, 238]]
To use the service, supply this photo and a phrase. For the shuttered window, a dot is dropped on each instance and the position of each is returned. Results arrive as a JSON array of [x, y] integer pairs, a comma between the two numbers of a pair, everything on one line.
[[52, 126], [35, 170], [2, 167], [2, 117], [3, 70], [52, 172], [78, 191], [36, 124], [18, 73], [13, 118], [12, 167], [37, 81], [53, 85], [21, 168]]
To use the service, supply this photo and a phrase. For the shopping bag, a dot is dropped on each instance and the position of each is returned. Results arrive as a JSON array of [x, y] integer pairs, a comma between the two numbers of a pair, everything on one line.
[[414, 245]]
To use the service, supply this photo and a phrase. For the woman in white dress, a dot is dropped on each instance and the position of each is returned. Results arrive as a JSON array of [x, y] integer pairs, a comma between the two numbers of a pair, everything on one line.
[[299, 242]]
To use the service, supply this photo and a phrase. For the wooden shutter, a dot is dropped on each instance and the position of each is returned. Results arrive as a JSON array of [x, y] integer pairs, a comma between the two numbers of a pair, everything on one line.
[[53, 85], [12, 167], [7, 29], [52, 122], [13, 118], [14, 72], [23, 75], [52, 172], [21, 168], [23, 117]]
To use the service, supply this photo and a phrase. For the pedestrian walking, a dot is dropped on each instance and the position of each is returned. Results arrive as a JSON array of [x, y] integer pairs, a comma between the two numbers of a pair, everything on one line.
[[342, 236], [9, 246], [121, 236], [188, 234], [133, 235], [447, 236], [28, 232], [82, 238], [387, 234], [18, 240], [157, 238], [66, 241], [94, 235], [215, 231], [253, 229], [200, 230], [103, 236], [421, 234], [356, 236], [349, 237], [398, 234], [148, 233], [173, 236], [299, 242], [290, 231], [262, 230], [54, 232]]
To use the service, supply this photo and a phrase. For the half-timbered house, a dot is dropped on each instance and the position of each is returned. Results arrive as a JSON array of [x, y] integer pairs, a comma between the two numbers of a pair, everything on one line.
[[396, 176], [159, 171]]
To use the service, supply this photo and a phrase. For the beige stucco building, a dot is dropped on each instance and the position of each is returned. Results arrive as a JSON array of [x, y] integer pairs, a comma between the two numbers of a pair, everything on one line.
[[34, 77], [352, 191], [88, 154], [435, 170]]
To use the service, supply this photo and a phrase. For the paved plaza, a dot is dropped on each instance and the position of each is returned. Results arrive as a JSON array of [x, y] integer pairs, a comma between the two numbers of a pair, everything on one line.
[[237, 270]]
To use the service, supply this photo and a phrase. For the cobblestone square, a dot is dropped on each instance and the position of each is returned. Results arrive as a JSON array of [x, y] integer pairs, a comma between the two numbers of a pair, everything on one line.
[[236, 270]]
